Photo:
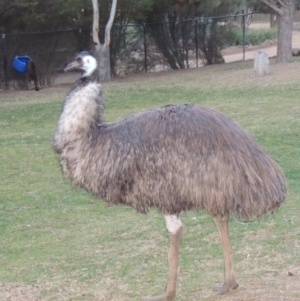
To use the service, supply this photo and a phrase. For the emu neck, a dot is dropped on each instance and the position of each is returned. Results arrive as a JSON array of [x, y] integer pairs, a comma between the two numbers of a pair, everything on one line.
[[89, 76], [82, 111]]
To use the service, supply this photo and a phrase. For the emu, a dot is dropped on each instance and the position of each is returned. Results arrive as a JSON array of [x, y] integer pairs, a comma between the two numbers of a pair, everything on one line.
[[174, 158]]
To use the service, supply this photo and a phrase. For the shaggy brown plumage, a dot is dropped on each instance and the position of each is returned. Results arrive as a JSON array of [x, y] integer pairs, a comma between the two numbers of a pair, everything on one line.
[[175, 158]]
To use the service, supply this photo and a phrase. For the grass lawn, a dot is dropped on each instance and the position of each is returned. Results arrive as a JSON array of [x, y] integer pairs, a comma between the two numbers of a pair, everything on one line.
[[61, 243]]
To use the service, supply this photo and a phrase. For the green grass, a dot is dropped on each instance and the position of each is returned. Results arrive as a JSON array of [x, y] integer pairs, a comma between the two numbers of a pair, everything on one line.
[[75, 247]]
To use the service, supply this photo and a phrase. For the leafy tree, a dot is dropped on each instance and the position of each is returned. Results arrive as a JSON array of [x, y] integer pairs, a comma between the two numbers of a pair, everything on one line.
[[40, 15], [167, 25]]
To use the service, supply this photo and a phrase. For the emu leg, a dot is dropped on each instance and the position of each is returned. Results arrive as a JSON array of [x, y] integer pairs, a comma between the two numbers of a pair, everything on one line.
[[229, 278], [174, 226]]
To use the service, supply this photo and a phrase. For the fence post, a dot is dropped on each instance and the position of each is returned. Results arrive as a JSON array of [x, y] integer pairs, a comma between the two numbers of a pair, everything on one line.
[[80, 39], [4, 61], [196, 40], [145, 47], [244, 29]]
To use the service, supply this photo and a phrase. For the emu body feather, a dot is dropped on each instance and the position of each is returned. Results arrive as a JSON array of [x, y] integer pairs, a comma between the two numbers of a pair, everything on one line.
[[175, 157]]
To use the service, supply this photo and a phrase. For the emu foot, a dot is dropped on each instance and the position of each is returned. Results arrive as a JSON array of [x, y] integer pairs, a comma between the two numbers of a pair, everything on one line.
[[164, 297], [221, 290]]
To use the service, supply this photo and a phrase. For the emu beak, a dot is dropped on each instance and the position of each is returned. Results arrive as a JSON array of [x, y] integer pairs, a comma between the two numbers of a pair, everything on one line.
[[73, 65]]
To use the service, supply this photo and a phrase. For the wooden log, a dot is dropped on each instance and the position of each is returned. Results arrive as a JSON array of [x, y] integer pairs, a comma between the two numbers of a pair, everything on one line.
[[261, 64]]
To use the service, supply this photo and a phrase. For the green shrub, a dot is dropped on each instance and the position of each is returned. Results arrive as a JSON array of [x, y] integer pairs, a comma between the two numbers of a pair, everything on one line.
[[253, 36]]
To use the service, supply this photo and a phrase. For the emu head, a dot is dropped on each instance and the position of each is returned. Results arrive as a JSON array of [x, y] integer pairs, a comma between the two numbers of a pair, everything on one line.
[[84, 62]]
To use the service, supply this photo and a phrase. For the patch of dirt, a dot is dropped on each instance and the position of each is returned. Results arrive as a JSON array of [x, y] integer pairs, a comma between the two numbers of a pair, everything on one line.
[[18, 292], [274, 285], [22, 292]]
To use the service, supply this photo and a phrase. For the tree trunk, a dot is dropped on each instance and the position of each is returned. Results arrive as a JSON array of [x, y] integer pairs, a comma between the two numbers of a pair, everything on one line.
[[285, 10], [101, 51], [285, 29], [103, 59]]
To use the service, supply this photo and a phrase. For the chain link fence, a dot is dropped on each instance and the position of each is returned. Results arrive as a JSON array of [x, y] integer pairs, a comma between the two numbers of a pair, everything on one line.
[[134, 48]]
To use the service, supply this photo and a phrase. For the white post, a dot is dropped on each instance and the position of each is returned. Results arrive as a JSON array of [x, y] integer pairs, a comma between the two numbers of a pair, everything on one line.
[[261, 64]]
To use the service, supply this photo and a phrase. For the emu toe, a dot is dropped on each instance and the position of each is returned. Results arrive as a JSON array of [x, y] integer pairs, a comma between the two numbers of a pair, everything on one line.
[[221, 290]]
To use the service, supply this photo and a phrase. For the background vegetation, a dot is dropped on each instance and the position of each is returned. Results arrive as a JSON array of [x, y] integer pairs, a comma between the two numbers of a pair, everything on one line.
[[254, 36], [166, 28], [60, 243]]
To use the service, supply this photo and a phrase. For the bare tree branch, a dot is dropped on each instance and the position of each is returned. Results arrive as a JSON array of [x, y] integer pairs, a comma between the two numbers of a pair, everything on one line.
[[273, 6], [102, 50], [281, 3], [96, 23], [110, 22]]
